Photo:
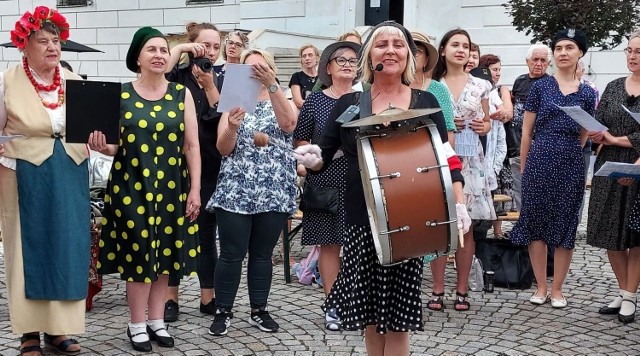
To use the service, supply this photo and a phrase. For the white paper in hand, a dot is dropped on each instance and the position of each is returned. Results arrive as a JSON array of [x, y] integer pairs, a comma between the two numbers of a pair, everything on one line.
[[583, 118], [239, 89], [634, 115], [617, 170]]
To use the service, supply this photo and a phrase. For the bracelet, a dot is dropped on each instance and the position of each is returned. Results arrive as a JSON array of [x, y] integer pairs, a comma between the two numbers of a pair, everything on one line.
[[229, 136]]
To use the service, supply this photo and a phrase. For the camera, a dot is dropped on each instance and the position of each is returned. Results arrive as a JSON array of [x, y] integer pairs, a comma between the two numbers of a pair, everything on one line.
[[203, 63]]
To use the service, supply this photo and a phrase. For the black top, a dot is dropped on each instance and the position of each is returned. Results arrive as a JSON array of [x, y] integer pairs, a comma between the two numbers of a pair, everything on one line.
[[335, 137], [305, 82], [513, 129], [207, 116]]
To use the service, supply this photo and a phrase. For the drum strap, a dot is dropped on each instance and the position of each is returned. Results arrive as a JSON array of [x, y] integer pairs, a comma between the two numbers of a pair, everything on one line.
[[365, 104]]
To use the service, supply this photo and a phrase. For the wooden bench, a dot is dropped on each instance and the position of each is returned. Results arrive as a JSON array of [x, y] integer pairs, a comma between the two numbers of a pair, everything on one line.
[[501, 198], [511, 216], [287, 237]]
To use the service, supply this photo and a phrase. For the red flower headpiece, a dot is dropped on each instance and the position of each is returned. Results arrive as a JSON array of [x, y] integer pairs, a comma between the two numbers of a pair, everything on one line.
[[29, 23]]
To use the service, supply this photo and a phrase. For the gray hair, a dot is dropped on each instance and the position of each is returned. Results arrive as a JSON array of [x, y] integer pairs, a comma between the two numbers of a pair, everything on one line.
[[634, 34], [537, 46]]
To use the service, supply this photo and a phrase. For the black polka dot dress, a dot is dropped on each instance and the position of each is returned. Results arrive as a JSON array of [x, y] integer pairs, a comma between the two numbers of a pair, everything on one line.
[[144, 230], [367, 293], [553, 178], [322, 228]]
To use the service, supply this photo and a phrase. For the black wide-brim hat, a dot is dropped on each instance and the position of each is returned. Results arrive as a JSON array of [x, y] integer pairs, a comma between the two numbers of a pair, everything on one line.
[[139, 39], [575, 35], [323, 76]]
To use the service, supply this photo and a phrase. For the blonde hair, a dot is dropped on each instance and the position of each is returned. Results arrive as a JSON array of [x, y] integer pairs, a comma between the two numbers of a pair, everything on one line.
[[352, 33], [366, 67], [243, 38], [268, 57], [307, 46]]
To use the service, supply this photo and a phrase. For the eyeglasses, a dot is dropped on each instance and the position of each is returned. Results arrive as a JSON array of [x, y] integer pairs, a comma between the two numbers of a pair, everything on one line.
[[343, 61], [236, 44], [630, 50]]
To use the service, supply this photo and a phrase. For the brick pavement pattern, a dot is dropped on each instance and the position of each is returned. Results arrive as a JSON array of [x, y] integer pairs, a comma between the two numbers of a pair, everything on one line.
[[502, 323]]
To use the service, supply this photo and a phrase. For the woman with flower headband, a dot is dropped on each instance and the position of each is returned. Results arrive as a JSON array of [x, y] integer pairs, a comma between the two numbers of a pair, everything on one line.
[[44, 192]]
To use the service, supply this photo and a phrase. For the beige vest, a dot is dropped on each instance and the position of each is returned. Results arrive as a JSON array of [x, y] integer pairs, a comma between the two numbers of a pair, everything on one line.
[[27, 116]]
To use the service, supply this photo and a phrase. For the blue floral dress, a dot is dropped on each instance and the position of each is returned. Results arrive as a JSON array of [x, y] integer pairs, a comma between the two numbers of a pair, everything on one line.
[[256, 179], [553, 178]]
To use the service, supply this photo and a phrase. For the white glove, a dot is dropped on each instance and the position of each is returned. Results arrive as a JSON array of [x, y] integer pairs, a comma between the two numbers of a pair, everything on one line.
[[309, 156], [464, 221], [309, 148]]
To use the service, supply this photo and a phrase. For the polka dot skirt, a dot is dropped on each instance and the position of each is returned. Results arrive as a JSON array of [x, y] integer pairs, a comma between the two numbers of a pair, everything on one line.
[[366, 293], [144, 230]]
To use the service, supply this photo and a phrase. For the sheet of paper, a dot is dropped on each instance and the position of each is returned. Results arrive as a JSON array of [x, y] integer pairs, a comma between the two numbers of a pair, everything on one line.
[[4, 139], [466, 142], [239, 89], [583, 118], [617, 170], [634, 115]]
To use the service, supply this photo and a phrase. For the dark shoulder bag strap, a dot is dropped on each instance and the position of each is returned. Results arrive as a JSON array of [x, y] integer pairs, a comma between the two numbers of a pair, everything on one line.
[[365, 104]]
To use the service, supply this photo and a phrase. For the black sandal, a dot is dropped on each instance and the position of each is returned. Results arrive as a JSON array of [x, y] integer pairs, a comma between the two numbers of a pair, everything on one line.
[[461, 301], [437, 301], [32, 348], [62, 346]]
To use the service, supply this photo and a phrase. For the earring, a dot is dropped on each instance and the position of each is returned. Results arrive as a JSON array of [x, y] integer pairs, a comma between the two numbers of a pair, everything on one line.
[[138, 63], [424, 68]]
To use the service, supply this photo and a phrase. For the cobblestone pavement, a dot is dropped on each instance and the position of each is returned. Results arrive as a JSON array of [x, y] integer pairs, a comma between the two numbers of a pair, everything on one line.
[[502, 323]]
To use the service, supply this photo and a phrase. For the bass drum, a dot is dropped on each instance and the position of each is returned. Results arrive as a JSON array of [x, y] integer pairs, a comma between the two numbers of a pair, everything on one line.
[[408, 192]]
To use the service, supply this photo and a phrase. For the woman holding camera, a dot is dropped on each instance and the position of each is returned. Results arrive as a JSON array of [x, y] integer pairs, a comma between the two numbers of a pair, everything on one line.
[[197, 75]]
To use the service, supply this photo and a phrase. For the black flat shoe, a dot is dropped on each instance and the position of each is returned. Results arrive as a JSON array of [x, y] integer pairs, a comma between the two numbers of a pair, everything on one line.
[[163, 341], [626, 319], [144, 346], [608, 311]]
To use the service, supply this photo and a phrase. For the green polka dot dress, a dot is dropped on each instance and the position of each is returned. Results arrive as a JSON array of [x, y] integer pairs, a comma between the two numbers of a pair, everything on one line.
[[144, 231]]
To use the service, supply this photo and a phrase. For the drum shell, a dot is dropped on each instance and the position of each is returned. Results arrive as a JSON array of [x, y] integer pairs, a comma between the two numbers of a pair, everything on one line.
[[422, 201]]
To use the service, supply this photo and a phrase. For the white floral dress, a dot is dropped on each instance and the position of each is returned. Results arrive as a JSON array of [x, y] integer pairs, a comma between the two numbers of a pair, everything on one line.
[[476, 190]]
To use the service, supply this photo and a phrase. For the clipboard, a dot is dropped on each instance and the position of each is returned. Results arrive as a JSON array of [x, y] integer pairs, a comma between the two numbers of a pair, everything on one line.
[[92, 106]]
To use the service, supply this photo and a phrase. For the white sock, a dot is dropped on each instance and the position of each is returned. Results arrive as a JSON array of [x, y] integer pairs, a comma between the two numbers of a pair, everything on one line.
[[159, 327], [628, 308], [617, 301], [138, 328]]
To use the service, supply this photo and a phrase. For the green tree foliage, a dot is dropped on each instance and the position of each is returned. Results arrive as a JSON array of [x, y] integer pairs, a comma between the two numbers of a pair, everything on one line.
[[606, 22]]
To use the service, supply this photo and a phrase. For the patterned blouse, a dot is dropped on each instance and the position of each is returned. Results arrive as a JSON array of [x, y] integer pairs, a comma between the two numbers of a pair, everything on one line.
[[444, 99], [256, 179]]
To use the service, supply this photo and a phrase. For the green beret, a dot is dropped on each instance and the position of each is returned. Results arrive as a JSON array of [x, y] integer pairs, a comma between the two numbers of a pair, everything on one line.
[[139, 39]]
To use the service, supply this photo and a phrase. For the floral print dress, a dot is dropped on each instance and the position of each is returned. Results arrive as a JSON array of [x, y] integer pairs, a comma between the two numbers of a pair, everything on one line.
[[476, 190]]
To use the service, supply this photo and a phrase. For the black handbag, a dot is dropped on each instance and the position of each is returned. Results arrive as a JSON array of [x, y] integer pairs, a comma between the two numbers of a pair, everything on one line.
[[510, 263], [319, 199]]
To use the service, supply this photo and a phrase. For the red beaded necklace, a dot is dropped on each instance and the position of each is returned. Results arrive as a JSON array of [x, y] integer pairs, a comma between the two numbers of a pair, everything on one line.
[[40, 87]]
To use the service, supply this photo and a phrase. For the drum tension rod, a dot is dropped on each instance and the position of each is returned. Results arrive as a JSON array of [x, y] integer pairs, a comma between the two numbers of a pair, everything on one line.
[[435, 223], [373, 135], [400, 229], [415, 129], [390, 176], [427, 169]]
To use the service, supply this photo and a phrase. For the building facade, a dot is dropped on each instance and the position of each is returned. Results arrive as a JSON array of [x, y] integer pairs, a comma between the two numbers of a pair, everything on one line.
[[109, 25]]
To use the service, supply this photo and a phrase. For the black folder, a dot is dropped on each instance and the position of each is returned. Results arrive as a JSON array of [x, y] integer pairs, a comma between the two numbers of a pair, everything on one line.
[[92, 106]]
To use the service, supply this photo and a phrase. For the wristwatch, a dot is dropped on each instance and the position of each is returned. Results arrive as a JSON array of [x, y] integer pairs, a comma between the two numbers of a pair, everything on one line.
[[273, 88]]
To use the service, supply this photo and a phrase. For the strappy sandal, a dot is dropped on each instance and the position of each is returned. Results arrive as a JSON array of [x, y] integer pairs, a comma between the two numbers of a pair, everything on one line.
[[461, 303], [62, 346], [32, 348], [436, 303]]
